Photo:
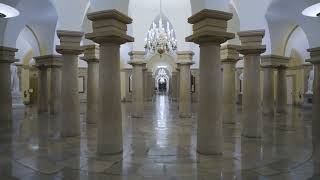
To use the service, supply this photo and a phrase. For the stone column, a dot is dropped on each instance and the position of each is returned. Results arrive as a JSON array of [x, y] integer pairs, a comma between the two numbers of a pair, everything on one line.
[[138, 77], [307, 67], [281, 90], [128, 73], [178, 84], [209, 31], [91, 56], [109, 30], [43, 102], [51, 102], [268, 90], [19, 72], [315, 60], [70, 49], [7, 56], [251, 48], [149, 86], [229, 58], [174, 86], [184, 63]]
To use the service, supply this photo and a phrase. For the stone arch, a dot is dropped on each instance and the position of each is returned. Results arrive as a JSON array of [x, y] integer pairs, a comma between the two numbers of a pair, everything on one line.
[[155, 61], [42, 21]]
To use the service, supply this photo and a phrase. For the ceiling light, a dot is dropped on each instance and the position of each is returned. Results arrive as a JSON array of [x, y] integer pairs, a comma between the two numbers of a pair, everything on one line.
[[8, 11], [312, 11]]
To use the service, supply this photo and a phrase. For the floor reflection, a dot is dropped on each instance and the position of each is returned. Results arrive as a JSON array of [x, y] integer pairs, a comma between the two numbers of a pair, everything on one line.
[[158, 146]]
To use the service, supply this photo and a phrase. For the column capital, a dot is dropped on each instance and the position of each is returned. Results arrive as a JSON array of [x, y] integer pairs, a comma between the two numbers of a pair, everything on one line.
[[126, 70], [137, 58], [229, 53], [307, 65], [109, 26], [210, 26], [274, 61], [251, 42], [315, 55], [69, 42], [185, 57], [48, 61], [91, 53], [7, 54]]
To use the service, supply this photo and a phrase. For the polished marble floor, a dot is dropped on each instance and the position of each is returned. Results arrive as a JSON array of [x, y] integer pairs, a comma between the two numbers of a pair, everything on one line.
[[159, 146]]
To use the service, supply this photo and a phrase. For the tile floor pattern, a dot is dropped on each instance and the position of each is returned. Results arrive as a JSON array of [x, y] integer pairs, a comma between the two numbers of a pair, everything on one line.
[[159, 146]]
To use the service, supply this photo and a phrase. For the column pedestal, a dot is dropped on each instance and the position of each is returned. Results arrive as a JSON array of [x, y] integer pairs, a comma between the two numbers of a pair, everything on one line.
[[109, 30], [184, 63], [209, 31], [251, 48], [91, 56], [7, 56], [229, 58], [138, 76], [70, 49]]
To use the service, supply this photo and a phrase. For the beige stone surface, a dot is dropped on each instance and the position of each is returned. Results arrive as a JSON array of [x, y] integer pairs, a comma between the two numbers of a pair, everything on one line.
[[251, 48], [91, 56], [109, 32], [209, 36], [7, 56], [70, 49]]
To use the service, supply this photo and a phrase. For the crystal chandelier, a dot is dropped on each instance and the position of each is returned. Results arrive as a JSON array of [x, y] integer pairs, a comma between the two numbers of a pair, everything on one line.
[[160, 39]]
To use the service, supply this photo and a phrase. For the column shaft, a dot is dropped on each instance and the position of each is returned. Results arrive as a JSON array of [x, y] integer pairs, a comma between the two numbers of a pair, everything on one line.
[[209, 110], [138, 90], [268, 90], [55, 96], [185, 93], [43, 102], [70, 97], [252, 125], [93, 92], [5, 92], [229, 94], [281, 90], [110, 120]]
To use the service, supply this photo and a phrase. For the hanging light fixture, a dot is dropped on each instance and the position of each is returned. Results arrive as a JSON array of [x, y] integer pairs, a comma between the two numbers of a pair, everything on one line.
[[312, 11], [160, 39], [7, 11]]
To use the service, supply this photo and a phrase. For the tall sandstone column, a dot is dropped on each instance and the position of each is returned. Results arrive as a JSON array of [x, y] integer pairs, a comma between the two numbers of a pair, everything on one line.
[[138, 84], [251, 48], [281, 89], [109, 30], [184, 63], [70, 106], [209, 31], [49, 102], [315, 60], [7, 56], [229, 58], [91, 56]]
